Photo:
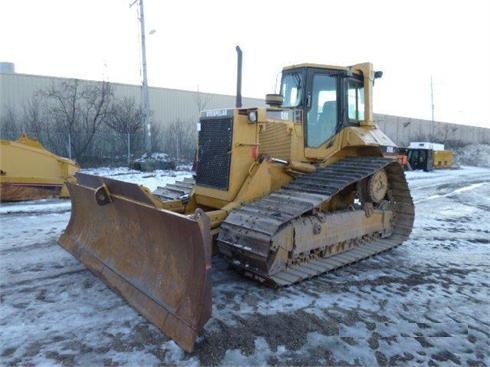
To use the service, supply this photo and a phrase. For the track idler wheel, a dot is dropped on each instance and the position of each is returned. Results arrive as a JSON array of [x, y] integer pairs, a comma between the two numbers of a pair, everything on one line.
[[372, 190], [377, 186]]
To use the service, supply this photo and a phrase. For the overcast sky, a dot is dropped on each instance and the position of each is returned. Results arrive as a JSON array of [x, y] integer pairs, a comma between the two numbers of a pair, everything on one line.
[[193, 46]]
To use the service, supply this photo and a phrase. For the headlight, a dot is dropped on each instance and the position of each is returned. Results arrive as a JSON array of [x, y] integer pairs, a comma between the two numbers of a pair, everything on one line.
[[252, 116]]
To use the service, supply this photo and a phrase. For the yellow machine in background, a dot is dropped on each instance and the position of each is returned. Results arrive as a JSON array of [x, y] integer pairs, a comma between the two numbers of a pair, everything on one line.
[[29, 171], [285, 193], [429, 156], [443, 158]]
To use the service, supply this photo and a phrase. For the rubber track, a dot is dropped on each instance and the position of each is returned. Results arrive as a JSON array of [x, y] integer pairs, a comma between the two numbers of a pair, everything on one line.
[[251, 227]]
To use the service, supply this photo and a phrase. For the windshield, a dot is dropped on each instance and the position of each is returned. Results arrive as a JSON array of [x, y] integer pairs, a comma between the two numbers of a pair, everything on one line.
[[291, 89]]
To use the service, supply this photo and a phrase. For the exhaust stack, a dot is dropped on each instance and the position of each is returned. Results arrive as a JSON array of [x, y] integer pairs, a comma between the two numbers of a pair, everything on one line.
[[238, 102]]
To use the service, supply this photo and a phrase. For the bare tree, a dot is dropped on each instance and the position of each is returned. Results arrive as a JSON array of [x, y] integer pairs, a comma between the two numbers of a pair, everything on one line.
[[180, 139], [76, 111], [125, 116], [33, 118], [202, 101], [126, 119], [158, 132], [9, 125]]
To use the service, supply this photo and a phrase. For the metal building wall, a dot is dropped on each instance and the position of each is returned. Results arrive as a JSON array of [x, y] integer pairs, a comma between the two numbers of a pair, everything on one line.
[[167, 105], [403, 130]]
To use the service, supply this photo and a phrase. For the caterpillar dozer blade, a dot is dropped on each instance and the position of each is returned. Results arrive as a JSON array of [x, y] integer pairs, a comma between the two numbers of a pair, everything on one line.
[[158, 260], [28, 171]]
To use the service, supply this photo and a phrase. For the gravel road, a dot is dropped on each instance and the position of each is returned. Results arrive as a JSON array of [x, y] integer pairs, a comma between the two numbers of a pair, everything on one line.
[[426, 302]]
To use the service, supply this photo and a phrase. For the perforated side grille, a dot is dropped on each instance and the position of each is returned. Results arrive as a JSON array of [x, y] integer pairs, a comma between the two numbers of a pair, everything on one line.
[[276, 141], [215, 138]]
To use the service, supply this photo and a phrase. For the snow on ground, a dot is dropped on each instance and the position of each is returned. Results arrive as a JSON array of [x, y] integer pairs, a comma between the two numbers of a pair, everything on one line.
[[36, 206], [426, 302], [149, 179]]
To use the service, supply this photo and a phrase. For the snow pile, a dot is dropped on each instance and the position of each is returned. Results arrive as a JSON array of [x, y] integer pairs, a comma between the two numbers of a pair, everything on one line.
[[155, 155], [153, 161], [473, 155]]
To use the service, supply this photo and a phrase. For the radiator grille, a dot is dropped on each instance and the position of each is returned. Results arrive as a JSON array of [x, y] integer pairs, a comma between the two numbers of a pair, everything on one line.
[[275, 141], [215, 139]]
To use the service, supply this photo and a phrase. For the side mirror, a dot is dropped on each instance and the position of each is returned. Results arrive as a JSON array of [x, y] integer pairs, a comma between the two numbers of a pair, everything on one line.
[[377, 74]]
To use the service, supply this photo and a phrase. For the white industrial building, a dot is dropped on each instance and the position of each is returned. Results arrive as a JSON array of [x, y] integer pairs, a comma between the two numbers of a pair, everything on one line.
[[170, 105], [167, 105]]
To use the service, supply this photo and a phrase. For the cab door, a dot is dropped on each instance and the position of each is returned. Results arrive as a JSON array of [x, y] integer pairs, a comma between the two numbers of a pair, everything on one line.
[[322, 110]]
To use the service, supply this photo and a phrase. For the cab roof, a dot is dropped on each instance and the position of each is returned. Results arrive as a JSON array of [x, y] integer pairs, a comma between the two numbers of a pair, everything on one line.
[[353, 68]]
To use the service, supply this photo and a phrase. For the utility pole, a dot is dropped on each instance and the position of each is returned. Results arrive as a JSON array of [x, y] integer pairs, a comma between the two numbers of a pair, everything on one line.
[[432, 97], [432, 107], [145, 98]]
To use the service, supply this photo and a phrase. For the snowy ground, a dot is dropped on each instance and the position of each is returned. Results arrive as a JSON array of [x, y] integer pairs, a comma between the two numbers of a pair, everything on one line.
[[426, 302]]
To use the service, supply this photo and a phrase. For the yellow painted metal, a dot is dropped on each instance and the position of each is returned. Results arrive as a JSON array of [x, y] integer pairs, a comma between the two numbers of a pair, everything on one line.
[[443, 158], [245, 139], [365, 70], [362, 136], [275, 139], [260, 179], [29, 171], [301, 167], [329, 229], [263, 179], [317, 66], [282, 138]]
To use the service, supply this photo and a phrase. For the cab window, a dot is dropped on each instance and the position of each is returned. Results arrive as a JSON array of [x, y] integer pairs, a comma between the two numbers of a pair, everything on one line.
[[322, 117], [355, 101], [291, 90]]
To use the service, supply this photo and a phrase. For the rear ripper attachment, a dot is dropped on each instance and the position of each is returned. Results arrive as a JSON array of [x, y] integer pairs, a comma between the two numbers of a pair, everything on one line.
[[158, 260]]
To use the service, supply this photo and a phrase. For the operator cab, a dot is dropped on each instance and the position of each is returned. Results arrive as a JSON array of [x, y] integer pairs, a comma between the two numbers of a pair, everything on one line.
[[330, 98]]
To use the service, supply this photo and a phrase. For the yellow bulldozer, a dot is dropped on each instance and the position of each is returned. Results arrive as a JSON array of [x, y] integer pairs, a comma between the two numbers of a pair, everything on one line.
[[284, 193]]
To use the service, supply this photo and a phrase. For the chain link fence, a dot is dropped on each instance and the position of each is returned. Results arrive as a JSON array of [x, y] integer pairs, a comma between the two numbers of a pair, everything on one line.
[[108, 148]]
